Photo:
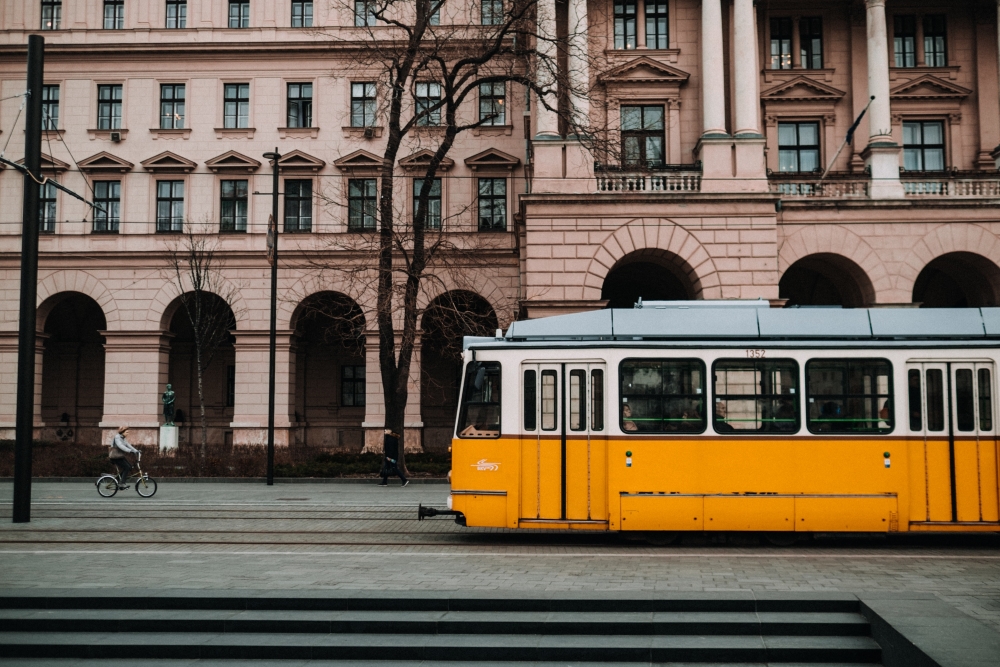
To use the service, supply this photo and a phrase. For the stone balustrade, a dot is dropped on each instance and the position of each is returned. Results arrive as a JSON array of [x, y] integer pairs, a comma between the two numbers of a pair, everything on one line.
[[668, 178], [955, 184]]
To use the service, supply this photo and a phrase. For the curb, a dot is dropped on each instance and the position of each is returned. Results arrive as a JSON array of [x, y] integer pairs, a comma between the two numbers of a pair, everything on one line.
[[246, 480]]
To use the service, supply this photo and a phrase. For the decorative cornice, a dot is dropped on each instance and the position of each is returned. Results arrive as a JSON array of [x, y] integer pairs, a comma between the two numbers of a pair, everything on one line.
[[945, 90]]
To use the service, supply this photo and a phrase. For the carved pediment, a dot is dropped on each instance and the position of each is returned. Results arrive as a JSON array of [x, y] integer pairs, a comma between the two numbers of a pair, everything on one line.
[[644, 69], [232, 161], [929, 87], [105, 161], [802, 89], [491, 158], [49, 163], [297, 160], [422, 158], [167, 161], [359, 159]]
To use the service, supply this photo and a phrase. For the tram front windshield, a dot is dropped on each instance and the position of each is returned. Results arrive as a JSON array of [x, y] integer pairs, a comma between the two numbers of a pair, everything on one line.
[[480, 411]]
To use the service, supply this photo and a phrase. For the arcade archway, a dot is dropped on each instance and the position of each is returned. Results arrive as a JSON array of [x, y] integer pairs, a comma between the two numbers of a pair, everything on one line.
[[825, 279], [958, 280], [653, 275]]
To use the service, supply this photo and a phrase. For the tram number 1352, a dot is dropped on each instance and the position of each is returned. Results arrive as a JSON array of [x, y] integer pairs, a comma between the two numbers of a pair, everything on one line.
[[755, 353]]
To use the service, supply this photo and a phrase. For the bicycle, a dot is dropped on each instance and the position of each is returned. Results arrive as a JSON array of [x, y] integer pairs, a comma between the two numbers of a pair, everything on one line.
[[108, 484]]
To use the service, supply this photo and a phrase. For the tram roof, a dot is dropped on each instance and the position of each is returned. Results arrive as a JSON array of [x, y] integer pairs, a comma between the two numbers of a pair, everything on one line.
[[718, 321]]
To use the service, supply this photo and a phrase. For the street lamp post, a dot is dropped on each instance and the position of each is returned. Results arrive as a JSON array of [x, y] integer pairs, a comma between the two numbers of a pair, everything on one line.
[[272, 254]]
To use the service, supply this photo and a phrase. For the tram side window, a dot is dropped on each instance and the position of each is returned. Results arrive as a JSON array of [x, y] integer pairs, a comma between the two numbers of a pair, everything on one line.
[[985, 400], [530, 400], [577, 400], [935, 399], [849, 396], [756, 396], [662, 396], [480, 414], [548, 400], [597, 400], [965, 406], [916, 412]]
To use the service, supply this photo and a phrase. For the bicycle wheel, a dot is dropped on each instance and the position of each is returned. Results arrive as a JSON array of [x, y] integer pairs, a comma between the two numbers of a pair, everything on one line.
[[145, 486], [107, 486]]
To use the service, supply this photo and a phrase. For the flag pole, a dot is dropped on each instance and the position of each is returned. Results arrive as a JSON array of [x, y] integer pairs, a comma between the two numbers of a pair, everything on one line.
[[848, 139]]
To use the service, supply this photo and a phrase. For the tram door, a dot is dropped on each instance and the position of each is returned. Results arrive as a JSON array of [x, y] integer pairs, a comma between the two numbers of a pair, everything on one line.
[[952, 406], [563, 442]]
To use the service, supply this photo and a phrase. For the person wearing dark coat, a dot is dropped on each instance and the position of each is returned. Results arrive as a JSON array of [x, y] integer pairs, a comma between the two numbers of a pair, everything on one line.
[[390, 458]]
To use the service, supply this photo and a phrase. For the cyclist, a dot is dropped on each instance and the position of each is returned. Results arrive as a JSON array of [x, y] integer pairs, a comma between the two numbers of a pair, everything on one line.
[[119, 448]]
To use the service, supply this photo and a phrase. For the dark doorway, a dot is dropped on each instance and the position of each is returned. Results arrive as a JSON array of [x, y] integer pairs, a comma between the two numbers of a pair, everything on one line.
[[826, 280], [958, 280]]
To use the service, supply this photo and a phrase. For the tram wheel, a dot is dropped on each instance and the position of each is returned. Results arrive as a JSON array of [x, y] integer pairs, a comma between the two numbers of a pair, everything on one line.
[[781, 539], [662, 538]]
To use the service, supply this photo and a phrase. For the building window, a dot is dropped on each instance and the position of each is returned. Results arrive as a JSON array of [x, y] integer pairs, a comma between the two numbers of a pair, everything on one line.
[[491, 103], [362, 105], [300, 104], [177, 11], [935, 29], [435, 18], [352, 386], [492, 12], [108, 197], [298, 205], [361, 197], [302, 14], [656, 24], [234, 206], [230, 386], [433, 219], [51, 14], [169, 206], [50, 107], [109, 107], [923, 146], [905, 40], [492, 204], [114, 14], [428, 97], [239, 14], [798, 147], [364, 13], [172, 106], [781, 43], [811, 43], [625, 11], [237, 105], [642, 136], [47, 207]]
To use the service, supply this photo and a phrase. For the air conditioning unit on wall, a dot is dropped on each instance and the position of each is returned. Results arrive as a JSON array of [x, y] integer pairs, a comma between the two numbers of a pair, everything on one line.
[[116, 137]]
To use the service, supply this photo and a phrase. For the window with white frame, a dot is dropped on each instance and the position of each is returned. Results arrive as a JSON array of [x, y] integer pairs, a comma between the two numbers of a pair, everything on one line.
[[302, 14], [491, 103], [298, 205], [109, 107], [904, 41], [433, 219], [233, 197], [50, 107], [642, 135], [435, 17], [811, 42], [923, 145], [935, 40], [362, 105], [428, 96], [657, 24], [492, 204], [491, 12], [172, 106], [361, 199], [176, 14], [798, 147], [108, 198], [47, 207], [239, 13], [781, 43], [169, 206], [114, 14], [625, 17], [51, 14], [364, 13], [300, 104], [236, 105]]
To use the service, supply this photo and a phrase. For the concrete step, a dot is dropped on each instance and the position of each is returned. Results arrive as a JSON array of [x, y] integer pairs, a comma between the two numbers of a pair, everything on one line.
[[437, 622], [73, 662], [446, 647]]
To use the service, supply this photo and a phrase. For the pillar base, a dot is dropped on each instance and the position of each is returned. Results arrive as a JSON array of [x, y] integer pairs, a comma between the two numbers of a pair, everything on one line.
[[732, 164], [247, 435], [562, 166], [169, 439], [882, 160]]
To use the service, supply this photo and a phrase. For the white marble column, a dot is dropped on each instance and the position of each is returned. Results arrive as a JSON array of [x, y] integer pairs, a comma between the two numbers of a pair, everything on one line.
[[996, 151], [579, 65], [712, 70], [546, 120], [882, 153], [745, 68]]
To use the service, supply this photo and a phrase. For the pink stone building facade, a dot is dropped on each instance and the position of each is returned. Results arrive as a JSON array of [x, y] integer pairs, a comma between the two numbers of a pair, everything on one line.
[[722, 113]]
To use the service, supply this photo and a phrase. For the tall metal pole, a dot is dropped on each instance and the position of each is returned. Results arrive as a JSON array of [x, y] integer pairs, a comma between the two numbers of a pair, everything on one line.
[[273, 238], [24, 422]]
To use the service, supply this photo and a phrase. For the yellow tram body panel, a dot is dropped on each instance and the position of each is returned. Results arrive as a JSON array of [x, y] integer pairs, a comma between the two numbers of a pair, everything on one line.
[[811, 483]]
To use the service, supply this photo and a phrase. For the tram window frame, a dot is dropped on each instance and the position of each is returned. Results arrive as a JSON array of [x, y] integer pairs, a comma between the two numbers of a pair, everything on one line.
[[530, 399], [965, 400], [759, 399], [847, 396], [597, 399], [935, 400], [554, 412], [692, 363], [984, 376], [576, 399], [915, 398], [492, 369]]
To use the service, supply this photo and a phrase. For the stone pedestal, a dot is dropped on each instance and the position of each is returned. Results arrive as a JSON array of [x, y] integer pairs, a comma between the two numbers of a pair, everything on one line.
[[168, 439]]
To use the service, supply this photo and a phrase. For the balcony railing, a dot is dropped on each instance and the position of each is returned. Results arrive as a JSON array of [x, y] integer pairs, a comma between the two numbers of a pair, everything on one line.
[[678, 178], [951, 184], [968, 184], [809, 186]]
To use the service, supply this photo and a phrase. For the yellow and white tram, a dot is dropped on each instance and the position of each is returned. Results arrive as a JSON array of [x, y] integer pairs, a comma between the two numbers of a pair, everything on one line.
[[729, 416]]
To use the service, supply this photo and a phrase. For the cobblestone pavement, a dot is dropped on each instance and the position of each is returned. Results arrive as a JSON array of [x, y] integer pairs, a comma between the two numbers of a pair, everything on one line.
[[361, 537]]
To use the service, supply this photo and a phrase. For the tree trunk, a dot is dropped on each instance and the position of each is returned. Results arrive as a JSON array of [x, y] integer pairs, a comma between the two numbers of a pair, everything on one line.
[[201, 402]]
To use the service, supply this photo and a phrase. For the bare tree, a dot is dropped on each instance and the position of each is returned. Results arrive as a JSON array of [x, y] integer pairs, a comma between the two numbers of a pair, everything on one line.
[[417, 44], [195, 266]]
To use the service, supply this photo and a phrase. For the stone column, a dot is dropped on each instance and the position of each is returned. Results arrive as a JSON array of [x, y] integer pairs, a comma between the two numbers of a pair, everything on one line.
[[996, 151], [882, 153], [136, 364], [712, 74], [250, 412], [745, 69], [8, 383], [579, 63], [546, 120]]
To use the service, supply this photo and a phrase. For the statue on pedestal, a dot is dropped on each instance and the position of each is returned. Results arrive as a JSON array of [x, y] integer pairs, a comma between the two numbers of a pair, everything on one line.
[[168, 406]]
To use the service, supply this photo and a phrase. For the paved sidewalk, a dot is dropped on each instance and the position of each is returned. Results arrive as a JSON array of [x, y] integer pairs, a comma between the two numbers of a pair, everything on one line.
[[362, 537]]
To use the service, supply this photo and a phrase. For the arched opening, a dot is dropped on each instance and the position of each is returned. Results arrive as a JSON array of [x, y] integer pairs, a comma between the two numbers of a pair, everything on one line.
[[330, 374], [73, 369], [447, 319], [958, 280], [654, 275], [826, 279], [218, 371]]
